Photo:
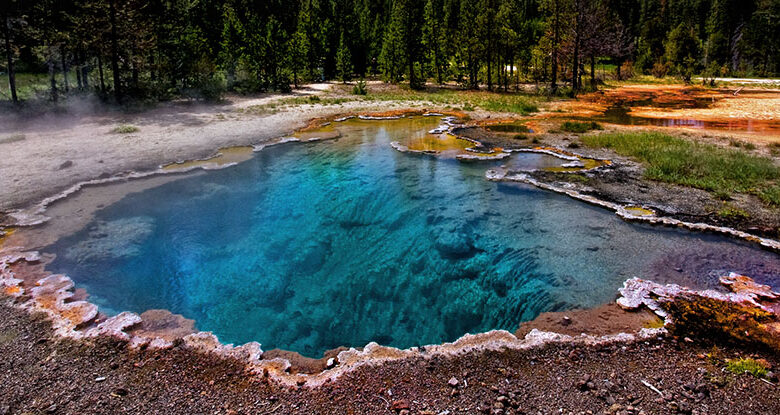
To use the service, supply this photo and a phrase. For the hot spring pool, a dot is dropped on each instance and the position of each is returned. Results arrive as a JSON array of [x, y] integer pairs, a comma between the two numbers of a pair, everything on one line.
[[311, 246]]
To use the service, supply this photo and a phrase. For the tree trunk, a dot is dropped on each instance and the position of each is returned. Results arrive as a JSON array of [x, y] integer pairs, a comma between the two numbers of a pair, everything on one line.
[[575, 79], [115, 53], [52, 79], [78, 73], [64, 67], [593, 71], [554, 68], [85, 69], [100, 73], [10, 55]]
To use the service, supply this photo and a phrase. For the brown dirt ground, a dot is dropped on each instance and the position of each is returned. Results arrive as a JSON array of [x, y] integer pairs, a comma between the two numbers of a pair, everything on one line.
[[41, 375]]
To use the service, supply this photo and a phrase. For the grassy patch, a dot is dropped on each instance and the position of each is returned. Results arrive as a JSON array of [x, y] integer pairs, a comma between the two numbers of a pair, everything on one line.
[[730, 212], [125, 129], [743, 144], [580, 127], [12, 138], [747, 365], [703, 166], [770, 195], [468, 100]]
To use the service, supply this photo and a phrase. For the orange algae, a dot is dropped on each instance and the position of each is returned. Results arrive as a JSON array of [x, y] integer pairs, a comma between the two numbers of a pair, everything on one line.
[[588, 163], [5, 234], [430, 143], [12, 290], [225, 156]]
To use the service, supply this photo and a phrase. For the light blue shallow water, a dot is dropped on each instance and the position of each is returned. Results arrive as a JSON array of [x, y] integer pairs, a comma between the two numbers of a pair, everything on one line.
[[307, 247]]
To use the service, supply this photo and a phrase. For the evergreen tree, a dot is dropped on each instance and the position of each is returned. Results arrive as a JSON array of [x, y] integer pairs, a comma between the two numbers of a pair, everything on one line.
[[434, 38], [682, 49], [344, 61]]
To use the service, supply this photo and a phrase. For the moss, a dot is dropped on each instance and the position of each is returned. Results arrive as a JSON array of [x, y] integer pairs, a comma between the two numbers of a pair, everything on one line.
[[757, 368]]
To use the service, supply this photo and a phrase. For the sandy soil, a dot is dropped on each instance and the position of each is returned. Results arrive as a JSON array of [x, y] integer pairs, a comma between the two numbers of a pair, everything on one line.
[[61, 150]]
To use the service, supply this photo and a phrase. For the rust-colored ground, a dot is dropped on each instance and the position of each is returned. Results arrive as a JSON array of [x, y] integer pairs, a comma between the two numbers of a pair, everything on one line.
[[750, 114]]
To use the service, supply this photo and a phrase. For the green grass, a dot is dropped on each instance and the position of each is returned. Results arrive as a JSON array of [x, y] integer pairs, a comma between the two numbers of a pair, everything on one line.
[[125, 129], [580, 127], [703, 166], [748, 365]]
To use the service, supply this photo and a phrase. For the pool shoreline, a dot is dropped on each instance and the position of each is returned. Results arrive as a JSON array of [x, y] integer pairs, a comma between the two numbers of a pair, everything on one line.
[[80, 320]]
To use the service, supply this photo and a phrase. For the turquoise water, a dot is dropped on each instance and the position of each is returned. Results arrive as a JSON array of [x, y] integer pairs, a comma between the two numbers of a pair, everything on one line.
[[308, 247]]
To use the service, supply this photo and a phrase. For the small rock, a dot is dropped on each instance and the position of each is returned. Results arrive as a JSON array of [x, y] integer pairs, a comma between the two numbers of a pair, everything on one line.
[[403, 412], [5, 409], [565, 321], [453, 382], [330, 363], [121, 392], [400, 404], [584, 384], [65, 165], [51, 409], [100, 379]]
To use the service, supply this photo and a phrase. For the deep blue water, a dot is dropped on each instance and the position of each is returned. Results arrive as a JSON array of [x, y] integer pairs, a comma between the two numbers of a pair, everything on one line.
[[307, 247]]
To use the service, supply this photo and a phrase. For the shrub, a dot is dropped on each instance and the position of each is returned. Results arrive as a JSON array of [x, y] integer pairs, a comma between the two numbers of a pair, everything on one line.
[[660, 70], [360, 88], [580, 127], [626, 70], [125, 129]]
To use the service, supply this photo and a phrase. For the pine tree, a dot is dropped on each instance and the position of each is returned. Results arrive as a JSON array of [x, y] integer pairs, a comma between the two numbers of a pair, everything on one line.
[[682, 50], [343, 61], [393, 56], [434, 37]]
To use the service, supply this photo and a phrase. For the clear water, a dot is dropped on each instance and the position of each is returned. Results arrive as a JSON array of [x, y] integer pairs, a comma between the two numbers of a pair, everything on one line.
[[308, 247]]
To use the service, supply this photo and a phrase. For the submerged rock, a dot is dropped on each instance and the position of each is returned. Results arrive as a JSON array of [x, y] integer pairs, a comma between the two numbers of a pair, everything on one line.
[[116, 239], [454, 244]]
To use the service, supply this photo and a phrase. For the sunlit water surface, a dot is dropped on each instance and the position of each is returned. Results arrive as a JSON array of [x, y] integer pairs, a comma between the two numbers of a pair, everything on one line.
[[311, 246]]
